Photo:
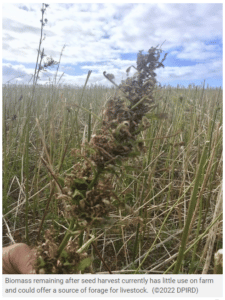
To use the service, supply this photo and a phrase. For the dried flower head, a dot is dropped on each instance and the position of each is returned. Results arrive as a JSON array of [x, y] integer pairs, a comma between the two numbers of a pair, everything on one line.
[[87, 195]]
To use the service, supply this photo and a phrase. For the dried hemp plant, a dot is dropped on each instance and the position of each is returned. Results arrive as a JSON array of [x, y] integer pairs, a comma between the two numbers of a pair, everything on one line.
[[87, 196]]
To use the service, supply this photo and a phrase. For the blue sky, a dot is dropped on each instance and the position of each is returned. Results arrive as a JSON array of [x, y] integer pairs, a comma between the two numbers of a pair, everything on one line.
[[107, 37]]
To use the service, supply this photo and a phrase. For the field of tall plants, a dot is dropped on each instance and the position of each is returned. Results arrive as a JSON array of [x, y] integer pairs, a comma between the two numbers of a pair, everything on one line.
[[107, 199]]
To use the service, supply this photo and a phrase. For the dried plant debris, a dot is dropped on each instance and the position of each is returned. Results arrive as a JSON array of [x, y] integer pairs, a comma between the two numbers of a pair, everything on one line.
[[86, 205], [48, 262], [88, 196]]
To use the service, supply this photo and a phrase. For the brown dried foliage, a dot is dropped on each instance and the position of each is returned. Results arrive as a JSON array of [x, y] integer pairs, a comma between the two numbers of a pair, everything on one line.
[[49, 263], [115, 142], [86, 195]]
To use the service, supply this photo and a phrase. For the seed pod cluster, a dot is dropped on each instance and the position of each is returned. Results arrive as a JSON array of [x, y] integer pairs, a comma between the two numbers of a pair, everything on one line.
[[87, 195], [142, 84], [47, 261], [77, 200], [114, 142]]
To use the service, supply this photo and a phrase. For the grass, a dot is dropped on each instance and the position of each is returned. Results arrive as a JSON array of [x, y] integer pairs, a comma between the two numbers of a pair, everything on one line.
[[168, 194]]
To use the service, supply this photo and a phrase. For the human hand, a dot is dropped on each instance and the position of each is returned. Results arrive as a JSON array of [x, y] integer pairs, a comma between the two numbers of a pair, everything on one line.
[[18, 259]]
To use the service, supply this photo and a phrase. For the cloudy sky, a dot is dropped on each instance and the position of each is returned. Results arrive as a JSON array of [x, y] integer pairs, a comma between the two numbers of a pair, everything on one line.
[[107, 37]]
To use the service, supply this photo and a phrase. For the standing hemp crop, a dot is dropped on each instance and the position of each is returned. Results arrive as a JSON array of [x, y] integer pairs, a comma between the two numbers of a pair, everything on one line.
[[87, 196]]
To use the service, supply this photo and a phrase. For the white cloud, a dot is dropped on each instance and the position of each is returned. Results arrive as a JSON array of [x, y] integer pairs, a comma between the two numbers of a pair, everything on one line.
[[198, 50], [17, 72], [101, 32], [198, 71]]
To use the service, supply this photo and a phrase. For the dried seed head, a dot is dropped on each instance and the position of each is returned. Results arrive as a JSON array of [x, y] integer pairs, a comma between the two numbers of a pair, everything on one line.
[[87, 195]]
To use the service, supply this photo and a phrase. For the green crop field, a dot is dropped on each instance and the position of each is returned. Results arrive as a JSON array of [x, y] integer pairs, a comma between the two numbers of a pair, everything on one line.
[[165, 212]]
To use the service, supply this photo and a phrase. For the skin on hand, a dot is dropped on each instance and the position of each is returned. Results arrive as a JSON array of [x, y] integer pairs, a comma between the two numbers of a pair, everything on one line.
[[18, 259]]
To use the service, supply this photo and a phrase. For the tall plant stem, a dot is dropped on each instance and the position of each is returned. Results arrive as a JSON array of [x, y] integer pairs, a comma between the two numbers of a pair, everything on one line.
[[27, 182], [66, 237], [162, 226], [198, 239], [191, 210], [46, 210], [101, 258], [89, 124], [39, 48]]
